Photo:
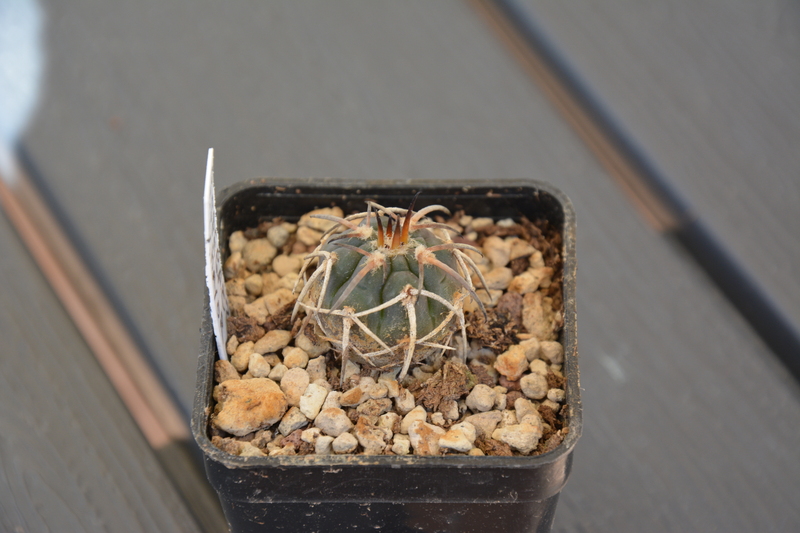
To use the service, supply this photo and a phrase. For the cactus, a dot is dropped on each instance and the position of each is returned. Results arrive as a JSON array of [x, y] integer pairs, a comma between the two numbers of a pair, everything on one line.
[[389, 286]]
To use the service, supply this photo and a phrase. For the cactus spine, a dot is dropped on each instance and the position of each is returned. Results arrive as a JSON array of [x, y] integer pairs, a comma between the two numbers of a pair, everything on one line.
[[389, 286]]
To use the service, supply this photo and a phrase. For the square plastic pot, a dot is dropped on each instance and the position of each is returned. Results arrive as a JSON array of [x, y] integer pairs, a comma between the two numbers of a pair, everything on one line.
[[391, 493]]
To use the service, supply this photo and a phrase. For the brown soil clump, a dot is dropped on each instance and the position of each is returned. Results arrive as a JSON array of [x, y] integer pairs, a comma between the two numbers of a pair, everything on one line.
[[245, 328], [452, 382]]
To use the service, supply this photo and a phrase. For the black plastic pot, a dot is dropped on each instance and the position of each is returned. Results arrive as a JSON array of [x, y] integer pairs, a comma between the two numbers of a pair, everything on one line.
[[391, 493]]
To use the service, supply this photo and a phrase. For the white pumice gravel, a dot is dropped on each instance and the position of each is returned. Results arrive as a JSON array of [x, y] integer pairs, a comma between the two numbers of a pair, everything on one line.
[[312, 399], [294, 384], [534, 386], [511, 391], [322, 446], [481, 398], [418, 414], [344, 443], [333, 421], [293, 419]]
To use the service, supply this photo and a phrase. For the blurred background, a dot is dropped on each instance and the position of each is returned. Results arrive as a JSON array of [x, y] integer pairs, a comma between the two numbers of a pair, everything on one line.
[[672, 126]]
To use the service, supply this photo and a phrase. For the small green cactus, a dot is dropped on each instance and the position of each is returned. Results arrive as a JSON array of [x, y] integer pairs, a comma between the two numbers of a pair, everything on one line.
[[389, 286]]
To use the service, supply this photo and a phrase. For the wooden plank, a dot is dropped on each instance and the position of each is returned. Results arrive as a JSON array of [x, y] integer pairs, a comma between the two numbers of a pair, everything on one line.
[[675, 401], [71, 458], [709, 92]]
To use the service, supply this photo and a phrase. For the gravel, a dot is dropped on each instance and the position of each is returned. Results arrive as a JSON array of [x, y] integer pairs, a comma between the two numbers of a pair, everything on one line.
[[280, 393]]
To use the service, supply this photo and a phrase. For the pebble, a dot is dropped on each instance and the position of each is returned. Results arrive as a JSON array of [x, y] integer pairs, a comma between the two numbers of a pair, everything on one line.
[[241, 356], [481, 398], [312, 399], [424, 438], [269, 282], [286, 450], [485, 423], [538, 366], [235, 287], [401, 445], [273, 341], [418, 414], [272, 359], [344, 443], [322, 446], [352, 397], [507, 418], [277, 236], [521, 437], [294, 384], [553, 351], [552, 405], [437, 419], [556, 395], [308, 236], [317, 368], [481, 223], [512, 363], [538, 317], [320, 224], [277, 300], [392, 387], [294, 357], [404, 402], [370, 438], [241, 413], [292, 420], [236, 241], [530, 280], [231, 345], [312, 348], [286, 264], [376, 391], [455, 439], [534, 386], [254, 284], [506, 223], [498, 278], [233, 265], [332, 400], [520, 248], [450, 409], [258, 254], [389, 420], [333, 421], [490, 299], [525, 408], [374, 408], [531, 348], [325, 384], [501, 400], [224, 370], [258, 367], [289, 281], [277, 372], [497, 251], [257, 310], [248, 450], [310, 435]]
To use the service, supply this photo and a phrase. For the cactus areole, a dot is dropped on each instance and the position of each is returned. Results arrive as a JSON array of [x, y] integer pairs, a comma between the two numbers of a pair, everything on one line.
[[387, 287]]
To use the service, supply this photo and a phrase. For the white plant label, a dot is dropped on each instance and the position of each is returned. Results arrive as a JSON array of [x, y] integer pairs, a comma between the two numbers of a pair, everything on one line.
[[214, 278]]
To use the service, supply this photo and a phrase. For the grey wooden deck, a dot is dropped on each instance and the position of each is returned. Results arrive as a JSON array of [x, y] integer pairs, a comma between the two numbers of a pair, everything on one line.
[[690, 423]]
